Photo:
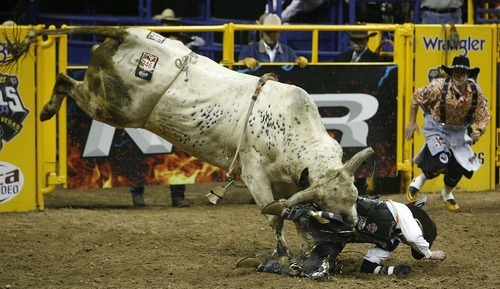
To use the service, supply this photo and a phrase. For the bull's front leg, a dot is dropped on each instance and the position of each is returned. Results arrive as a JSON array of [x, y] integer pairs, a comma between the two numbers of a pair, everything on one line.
[[277, 224], [259, 186], [64, 85]]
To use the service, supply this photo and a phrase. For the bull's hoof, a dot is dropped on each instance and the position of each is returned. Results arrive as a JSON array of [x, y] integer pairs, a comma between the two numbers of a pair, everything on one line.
[[249, 262], [274, 208]]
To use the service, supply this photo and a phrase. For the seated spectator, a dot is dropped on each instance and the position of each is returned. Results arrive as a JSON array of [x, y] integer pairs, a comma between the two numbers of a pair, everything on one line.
[[268, 49], [168, 18], [359, 51]]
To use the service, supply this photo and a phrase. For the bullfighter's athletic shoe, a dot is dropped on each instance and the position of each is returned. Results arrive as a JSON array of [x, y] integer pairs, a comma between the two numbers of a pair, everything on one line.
[[411, 194], [452, 205]]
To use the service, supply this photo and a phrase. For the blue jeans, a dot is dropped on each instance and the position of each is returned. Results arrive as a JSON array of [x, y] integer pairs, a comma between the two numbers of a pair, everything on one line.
[[429, 17]]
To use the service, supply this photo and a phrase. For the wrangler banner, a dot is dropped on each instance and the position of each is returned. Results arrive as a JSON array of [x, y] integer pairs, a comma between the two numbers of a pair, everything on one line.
[[358, 105]]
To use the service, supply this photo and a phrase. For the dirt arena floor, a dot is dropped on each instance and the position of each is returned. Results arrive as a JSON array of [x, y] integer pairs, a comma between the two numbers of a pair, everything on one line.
[[97, 239]]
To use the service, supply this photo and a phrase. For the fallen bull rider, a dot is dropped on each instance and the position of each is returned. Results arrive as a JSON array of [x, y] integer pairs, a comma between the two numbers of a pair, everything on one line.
[[383, 223]]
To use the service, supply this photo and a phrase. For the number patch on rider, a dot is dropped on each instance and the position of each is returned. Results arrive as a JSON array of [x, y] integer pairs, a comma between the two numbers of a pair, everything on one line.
[[146, 66]]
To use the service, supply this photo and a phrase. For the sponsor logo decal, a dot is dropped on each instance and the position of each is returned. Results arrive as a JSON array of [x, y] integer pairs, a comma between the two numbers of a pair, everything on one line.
[[11, 182], [372, 227], [443, 157], [12, 110], [156, 37], [361, 222], [146, 66], [465, 45]]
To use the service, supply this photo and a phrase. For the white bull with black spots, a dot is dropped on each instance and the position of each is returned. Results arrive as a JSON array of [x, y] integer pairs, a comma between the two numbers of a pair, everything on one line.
[[138, 79]]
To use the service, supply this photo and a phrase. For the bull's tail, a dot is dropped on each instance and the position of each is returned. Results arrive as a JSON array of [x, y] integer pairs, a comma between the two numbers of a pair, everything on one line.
[[17, 48]]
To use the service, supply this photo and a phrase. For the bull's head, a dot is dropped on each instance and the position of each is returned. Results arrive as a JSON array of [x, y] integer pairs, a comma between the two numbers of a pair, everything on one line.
[[337, 193]]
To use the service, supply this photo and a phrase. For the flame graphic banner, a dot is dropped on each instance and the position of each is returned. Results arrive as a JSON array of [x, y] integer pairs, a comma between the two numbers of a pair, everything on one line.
[[126, 165]]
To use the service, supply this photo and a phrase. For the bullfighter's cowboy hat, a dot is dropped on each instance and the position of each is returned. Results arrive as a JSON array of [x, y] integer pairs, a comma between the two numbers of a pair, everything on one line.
[[167, 15], [428, 228], [461, 62]]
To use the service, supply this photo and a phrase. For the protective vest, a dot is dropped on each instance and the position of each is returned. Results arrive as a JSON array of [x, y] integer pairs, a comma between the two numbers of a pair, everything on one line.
[[470, 114], [376, 224]]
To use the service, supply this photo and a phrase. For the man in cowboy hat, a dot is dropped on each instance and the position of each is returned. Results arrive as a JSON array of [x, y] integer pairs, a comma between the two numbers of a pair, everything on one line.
[[451, 107], [359, 51], [383, 223], [268, 49], [168, 18]]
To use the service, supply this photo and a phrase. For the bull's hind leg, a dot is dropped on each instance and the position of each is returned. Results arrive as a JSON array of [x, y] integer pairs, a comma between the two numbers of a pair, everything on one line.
[[63, 87]]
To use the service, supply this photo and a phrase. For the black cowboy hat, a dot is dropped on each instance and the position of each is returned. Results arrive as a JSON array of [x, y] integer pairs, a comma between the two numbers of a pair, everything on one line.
[[428, 227], [461, 62], [360, 34]]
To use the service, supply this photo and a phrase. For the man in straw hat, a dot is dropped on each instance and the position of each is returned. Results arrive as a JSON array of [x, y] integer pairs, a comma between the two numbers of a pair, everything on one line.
[[383, 223], [359, 51], [451, 107], [268, 49]]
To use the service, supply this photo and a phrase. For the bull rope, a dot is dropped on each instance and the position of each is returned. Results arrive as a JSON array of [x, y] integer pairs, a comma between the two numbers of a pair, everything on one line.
[[182, 64], [262, 80]]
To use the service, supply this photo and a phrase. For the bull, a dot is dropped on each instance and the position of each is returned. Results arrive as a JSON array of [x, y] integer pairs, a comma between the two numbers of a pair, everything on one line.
[[273, 131]]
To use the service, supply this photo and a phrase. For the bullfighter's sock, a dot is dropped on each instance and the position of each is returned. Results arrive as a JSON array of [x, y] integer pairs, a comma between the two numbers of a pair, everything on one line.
[[447, 193], [419, 181], [370, 267]]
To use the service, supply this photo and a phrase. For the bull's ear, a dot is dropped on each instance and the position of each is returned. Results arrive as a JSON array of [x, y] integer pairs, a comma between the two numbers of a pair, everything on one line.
[[303, 197], [353, 164], [304, 179]]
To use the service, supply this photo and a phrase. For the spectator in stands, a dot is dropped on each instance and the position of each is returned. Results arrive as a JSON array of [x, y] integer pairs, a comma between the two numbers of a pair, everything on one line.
[[268, 49], [168, 18], [303, 11], [359, 51], [441, 11]]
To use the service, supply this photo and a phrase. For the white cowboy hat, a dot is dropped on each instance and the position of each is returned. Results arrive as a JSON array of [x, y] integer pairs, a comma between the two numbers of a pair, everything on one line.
[[272, 19], [167, 15]]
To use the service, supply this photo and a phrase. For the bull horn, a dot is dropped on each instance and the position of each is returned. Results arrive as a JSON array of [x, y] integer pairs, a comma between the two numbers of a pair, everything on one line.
[[353, 164], [302, 197]]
